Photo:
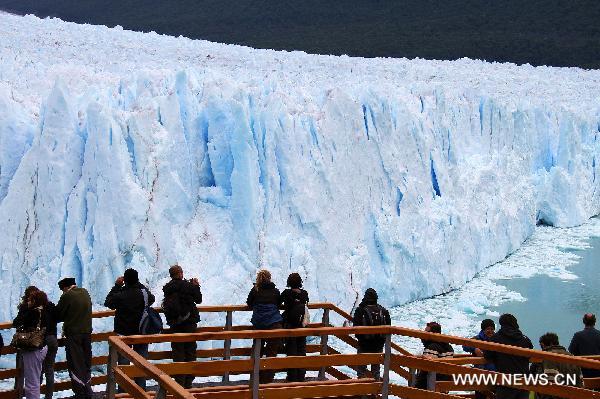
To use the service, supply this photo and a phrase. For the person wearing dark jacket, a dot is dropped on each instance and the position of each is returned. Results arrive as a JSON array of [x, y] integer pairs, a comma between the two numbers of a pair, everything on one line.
[[587, 343], [370, 313], [52, 344], [433, 350], [488, 328], [188, 295], [294, 299], [126, 298], [74, 309], [264, 300], [509, 334], [568, 372], [33, 314]]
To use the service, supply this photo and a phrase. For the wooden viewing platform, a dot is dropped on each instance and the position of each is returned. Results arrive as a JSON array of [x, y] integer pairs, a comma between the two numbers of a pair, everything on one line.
[[334, 378]]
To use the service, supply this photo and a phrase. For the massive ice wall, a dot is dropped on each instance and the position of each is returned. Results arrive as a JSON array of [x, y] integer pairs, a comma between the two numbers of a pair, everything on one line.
[[410, 186]]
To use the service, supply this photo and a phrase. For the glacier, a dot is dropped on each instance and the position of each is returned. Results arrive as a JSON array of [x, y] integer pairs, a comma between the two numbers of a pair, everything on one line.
[[122, 149]]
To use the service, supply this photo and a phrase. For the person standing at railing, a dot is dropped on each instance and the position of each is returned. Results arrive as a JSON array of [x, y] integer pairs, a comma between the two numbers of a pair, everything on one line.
[[433, 349], [509, 334], [587, 343], [552, 369], [74, 309], [126, 298], [179, 307], [33, 314], [52, 344], [294, 300], [488, 329], [370, 313], [264, 300]]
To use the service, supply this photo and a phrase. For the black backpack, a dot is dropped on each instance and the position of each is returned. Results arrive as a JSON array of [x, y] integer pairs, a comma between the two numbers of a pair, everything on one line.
[[175, 308], [373, 315], [150, 323], [295, 313]]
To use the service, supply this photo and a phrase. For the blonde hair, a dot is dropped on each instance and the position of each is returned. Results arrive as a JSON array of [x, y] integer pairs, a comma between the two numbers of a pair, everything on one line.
[[262, 276]]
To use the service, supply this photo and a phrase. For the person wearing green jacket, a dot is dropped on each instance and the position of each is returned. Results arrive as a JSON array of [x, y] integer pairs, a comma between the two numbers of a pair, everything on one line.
[[74, 309]]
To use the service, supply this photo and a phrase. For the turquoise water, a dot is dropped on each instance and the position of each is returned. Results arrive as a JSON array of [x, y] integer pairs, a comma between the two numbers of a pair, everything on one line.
[[557, 305]]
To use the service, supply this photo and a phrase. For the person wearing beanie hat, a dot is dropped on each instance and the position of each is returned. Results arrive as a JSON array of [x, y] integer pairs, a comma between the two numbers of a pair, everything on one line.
[[509, 334], [488, 328], [74, 309], [126, 298], [370, 313]]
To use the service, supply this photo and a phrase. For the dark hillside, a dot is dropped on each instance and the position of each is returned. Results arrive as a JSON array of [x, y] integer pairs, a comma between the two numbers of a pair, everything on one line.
[[549, 32]]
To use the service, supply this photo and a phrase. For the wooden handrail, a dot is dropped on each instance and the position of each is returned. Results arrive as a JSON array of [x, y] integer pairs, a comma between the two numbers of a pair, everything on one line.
[[491, 346], [280, 333], [447, 368], [99, 314], [150, 370]]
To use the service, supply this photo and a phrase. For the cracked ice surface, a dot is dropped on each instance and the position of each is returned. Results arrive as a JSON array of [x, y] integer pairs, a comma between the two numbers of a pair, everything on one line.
[[121, 149]]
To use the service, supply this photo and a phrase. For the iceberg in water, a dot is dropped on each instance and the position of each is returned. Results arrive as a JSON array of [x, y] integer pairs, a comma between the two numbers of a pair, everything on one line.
[[121, 149]]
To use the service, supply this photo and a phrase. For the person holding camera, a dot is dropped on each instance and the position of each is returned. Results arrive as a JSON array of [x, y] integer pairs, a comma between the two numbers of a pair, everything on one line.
[[179, 305], [128, 298]]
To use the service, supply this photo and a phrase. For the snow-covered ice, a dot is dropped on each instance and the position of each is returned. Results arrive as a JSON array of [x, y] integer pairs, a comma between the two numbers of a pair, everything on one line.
[[121, 149], [549, 251]]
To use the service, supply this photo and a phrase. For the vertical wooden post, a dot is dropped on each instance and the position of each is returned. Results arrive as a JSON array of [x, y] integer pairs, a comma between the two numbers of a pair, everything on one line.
[[255, 380], [413, 377], [324, 339], [111, 383], [387, 356], [161, 393], [431, 378], [227, 343], [19, 379]]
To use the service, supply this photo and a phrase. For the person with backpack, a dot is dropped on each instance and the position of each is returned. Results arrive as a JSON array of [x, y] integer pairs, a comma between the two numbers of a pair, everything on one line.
[[264, 300], [370, 313], [74, 309], [295, 315], [552, 369], [129, 299], [433, 350], [33, 315], [179, 306], [509, 334]]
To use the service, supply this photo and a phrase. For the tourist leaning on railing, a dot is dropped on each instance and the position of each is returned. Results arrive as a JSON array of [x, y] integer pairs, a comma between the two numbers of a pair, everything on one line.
[[488, 329], [555, 372], [264, 301], [126, 298], [294, 300], [433, 350], [509, 334]]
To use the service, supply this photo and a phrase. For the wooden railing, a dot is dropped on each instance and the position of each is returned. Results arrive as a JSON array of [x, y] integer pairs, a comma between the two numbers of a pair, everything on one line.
[[346, 386], [226, 352], [332, 377]]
